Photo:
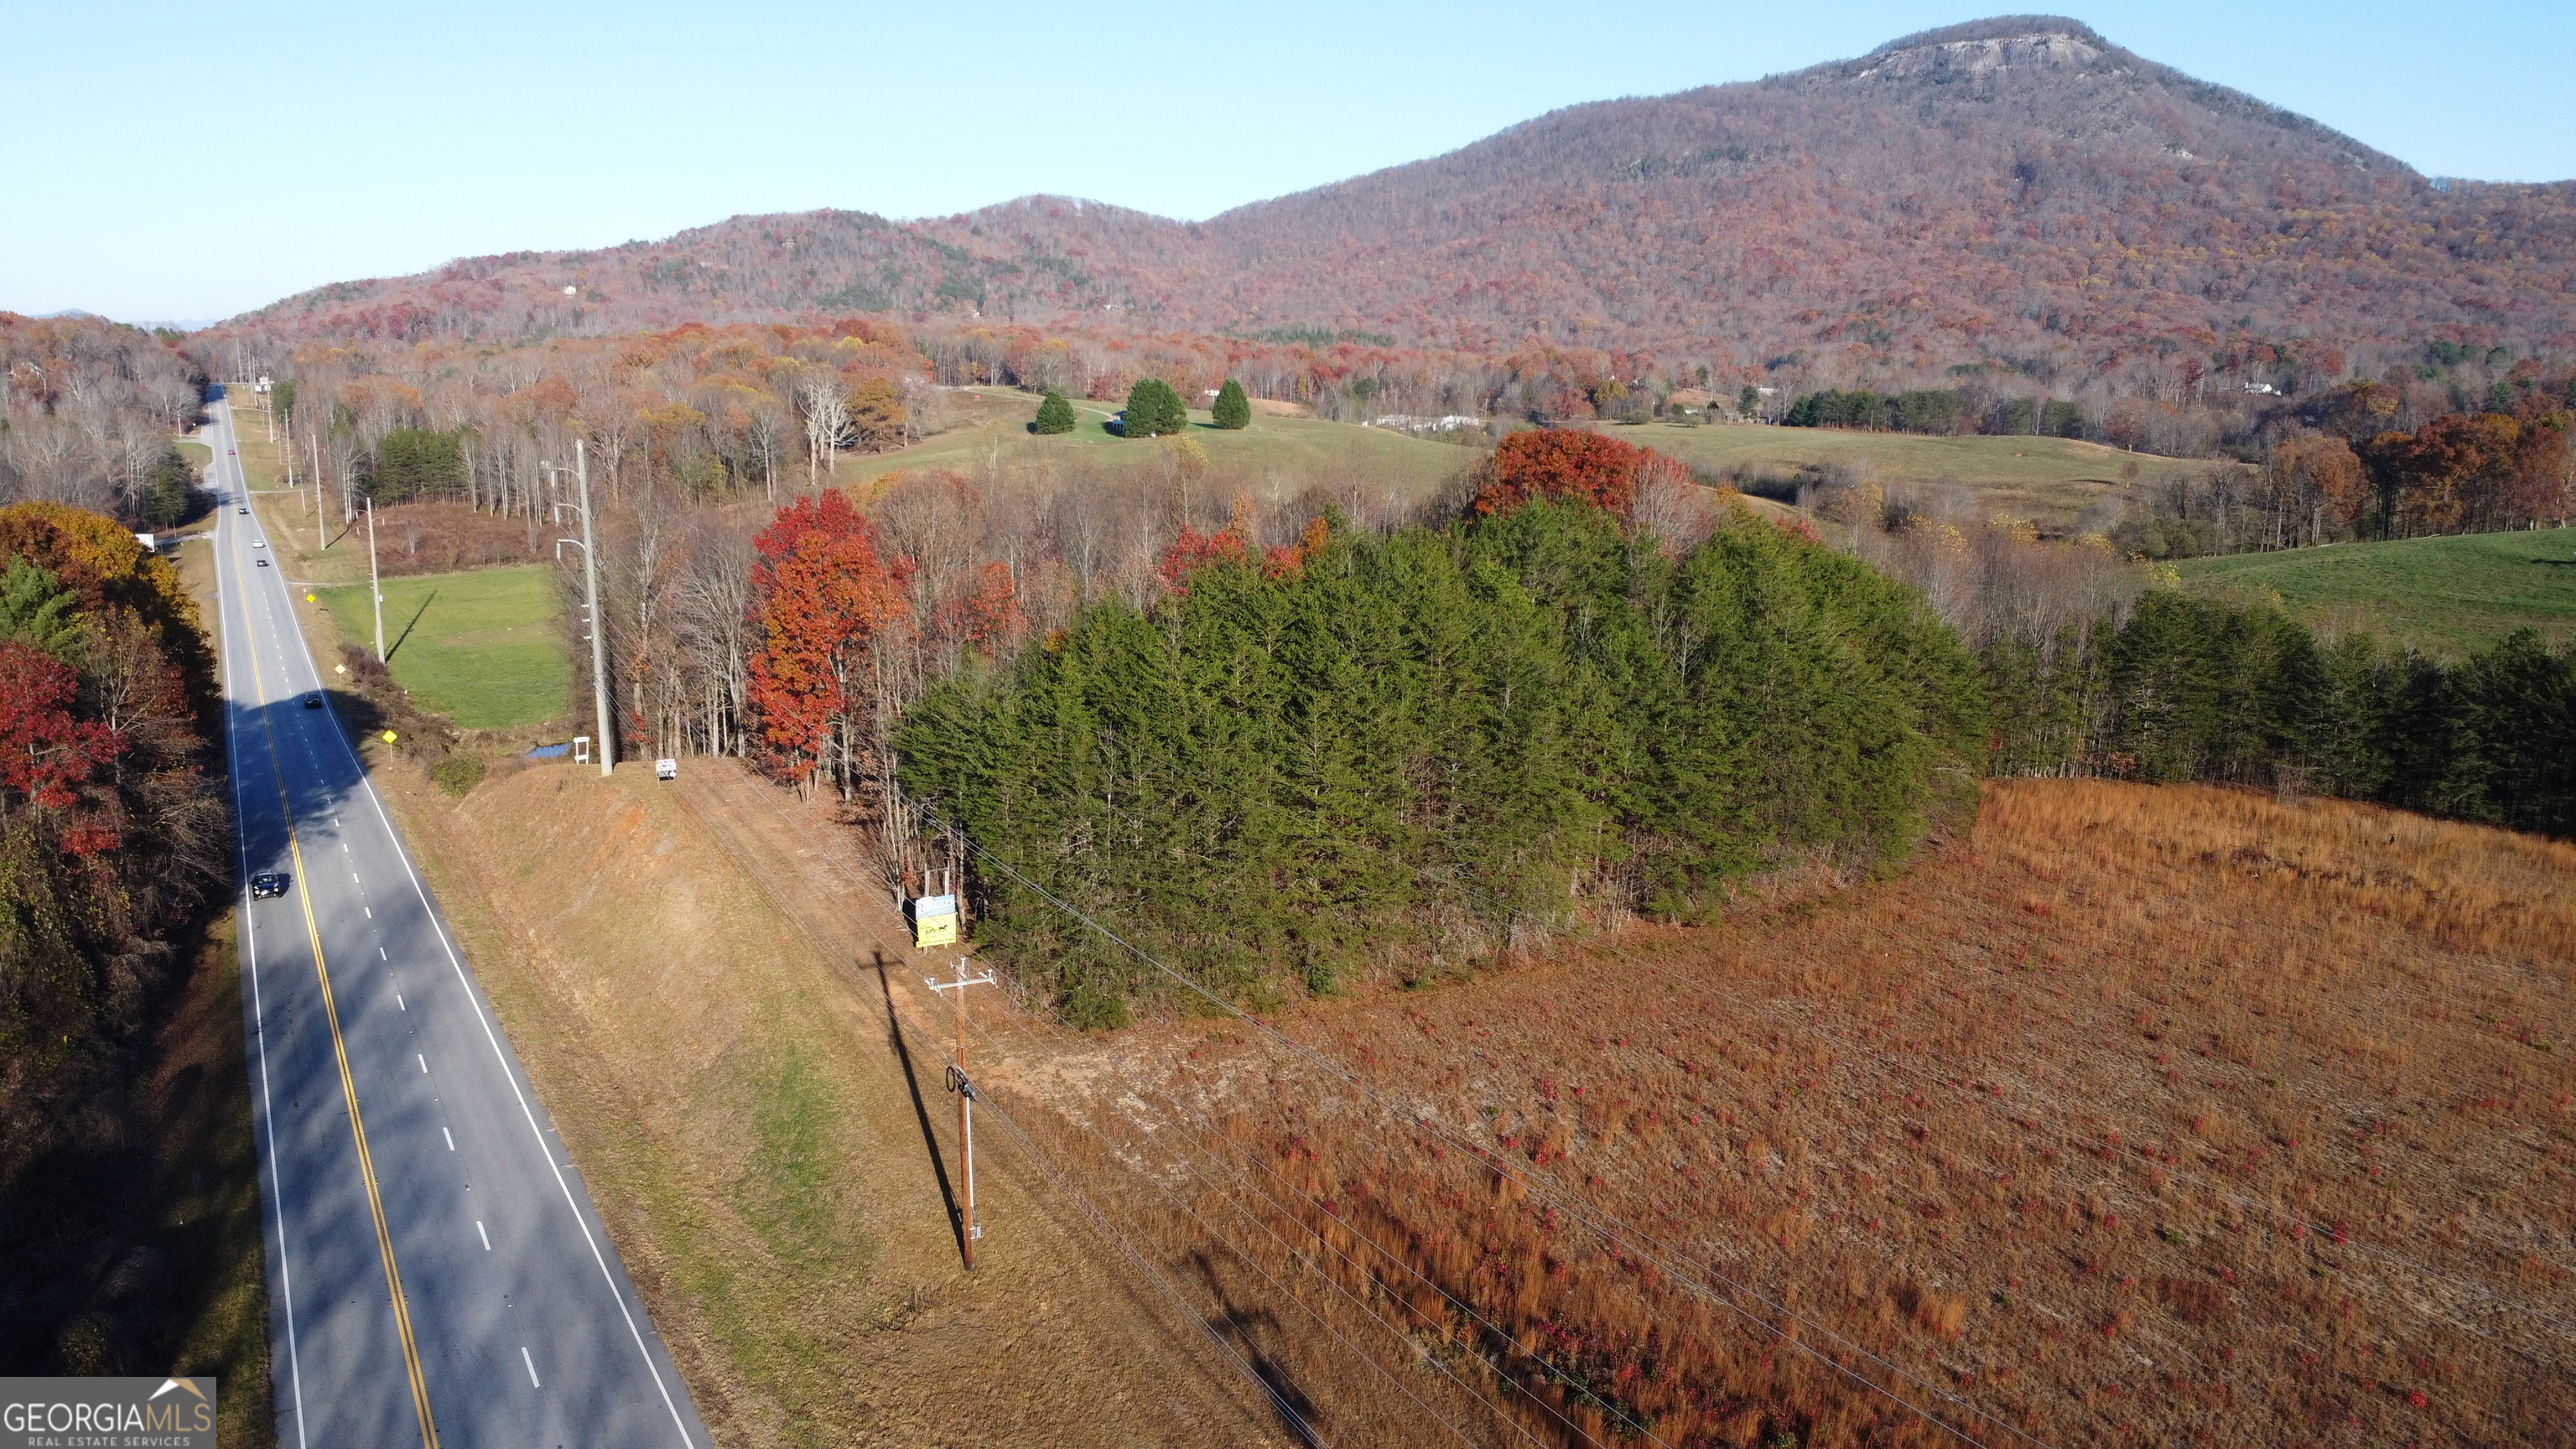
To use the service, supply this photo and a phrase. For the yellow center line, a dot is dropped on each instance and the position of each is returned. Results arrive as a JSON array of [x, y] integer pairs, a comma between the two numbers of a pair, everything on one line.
[[340, 1049]]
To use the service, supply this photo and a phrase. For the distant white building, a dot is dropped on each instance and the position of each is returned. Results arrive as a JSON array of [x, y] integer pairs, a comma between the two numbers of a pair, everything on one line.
[[1408, 423], [2263, 388]]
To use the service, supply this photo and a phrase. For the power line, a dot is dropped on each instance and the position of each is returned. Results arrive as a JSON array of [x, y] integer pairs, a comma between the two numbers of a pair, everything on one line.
[[1613, 1232], [1029, 1026], [1278, 1401]]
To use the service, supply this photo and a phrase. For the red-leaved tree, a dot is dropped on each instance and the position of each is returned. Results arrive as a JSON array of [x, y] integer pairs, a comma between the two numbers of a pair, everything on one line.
[[822, 592], [1562, 464], [1194, 548], [47, 753]]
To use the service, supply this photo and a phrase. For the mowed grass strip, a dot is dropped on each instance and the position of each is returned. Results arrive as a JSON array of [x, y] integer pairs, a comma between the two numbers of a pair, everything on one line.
[[2443, 595], [483, 648]]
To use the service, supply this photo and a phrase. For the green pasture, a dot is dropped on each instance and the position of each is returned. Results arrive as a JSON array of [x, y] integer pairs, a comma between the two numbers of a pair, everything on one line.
[[989, 430], [484, 648], [2443, 595], [2058, 483]]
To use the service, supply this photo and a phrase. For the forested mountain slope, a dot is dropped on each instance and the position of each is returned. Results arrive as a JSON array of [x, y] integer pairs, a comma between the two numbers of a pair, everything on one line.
[[2018, 192]]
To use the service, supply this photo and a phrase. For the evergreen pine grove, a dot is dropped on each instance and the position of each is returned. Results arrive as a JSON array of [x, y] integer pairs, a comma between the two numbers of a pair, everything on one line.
[[1412, 752], [1055, 415], [1232, 410], [1417, 747]]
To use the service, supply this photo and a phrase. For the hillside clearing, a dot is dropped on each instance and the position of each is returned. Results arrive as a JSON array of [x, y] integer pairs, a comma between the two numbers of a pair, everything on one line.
[[2060, 484], [1275, 455], [2442, 595], [484, 648]]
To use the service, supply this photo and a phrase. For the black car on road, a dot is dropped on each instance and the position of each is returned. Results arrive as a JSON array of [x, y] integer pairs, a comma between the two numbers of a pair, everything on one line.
[[268, 883]]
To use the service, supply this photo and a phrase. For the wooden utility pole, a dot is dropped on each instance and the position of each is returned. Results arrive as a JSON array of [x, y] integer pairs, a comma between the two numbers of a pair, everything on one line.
[[374, 591], [964, 1087]]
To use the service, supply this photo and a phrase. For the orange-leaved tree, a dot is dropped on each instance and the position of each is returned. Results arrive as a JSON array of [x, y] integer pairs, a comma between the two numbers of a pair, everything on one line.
[[1562, 464], [821, 594]]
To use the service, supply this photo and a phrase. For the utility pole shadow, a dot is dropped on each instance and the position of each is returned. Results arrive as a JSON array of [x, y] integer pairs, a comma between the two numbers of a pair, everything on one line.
[[399, 639], [920, 1109], [1236, 1325]]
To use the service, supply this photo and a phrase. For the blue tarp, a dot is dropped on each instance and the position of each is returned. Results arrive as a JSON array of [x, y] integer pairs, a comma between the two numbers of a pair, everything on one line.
[[550, 752]]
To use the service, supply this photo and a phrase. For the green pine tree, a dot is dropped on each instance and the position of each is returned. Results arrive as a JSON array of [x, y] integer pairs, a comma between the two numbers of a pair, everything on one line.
[[165, 500], [1749, 401], [1055, 415], [1233, 410], [36, 609], [1153, 409]]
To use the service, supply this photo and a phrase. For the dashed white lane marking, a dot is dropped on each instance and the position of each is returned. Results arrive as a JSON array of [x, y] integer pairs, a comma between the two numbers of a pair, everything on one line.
[[450, 1136], [424, 1063], [380, 954], [486, 1237], [532, 1367], [370, 910], [398, 1002]]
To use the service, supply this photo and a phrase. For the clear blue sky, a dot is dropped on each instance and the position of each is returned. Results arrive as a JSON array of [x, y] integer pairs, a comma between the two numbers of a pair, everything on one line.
[[171, 162]]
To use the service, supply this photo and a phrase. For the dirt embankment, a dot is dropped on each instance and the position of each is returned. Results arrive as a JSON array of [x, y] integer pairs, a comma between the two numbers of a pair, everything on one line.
[[774, 1171]]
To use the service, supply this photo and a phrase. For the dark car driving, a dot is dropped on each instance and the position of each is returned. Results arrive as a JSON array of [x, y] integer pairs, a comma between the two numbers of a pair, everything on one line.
[[266, 884], [313, 700]]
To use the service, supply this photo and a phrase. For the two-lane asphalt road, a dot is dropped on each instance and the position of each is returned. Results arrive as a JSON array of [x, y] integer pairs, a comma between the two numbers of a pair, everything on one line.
[[436, 1273]]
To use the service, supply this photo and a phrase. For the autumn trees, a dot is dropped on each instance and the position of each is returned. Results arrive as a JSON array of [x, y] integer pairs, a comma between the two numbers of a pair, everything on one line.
[[821, 593], [2461, 473], [87, 411], [109, 837]]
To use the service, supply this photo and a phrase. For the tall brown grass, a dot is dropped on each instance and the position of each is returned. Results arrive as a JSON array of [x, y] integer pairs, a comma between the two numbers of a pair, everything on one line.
[[2131, 1115]]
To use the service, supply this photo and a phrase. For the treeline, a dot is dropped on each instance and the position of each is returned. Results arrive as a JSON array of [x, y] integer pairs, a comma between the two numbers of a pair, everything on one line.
[[110, 837], [88, 409], [1942, 411], [2197, 689], [2348, 474], [1404, 752]]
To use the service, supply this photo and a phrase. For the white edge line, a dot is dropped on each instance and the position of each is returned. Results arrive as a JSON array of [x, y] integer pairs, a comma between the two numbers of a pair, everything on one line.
[[259, 1017], [403, 854]]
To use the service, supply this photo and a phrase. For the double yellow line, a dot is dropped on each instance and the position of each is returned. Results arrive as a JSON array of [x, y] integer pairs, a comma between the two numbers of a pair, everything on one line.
[[340, 1048]]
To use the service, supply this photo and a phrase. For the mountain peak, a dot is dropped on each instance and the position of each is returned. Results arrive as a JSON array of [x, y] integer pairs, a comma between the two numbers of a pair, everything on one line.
[[1980, 47]]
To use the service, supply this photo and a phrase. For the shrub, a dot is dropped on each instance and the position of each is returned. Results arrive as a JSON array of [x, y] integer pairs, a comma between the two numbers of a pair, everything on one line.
[[458, 773]]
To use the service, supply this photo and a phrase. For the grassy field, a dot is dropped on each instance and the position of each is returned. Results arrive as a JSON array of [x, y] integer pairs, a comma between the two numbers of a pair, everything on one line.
[[483, 648], [989, 432], [770, 1167], [2443, 595], [2058, 483]]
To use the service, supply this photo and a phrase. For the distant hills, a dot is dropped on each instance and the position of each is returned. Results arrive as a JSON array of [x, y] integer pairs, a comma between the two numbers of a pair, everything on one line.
[[2008, 193]]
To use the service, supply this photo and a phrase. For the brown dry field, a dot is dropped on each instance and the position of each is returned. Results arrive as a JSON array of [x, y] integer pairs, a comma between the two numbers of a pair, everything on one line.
[[2132, 1115], [773, 1176]]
